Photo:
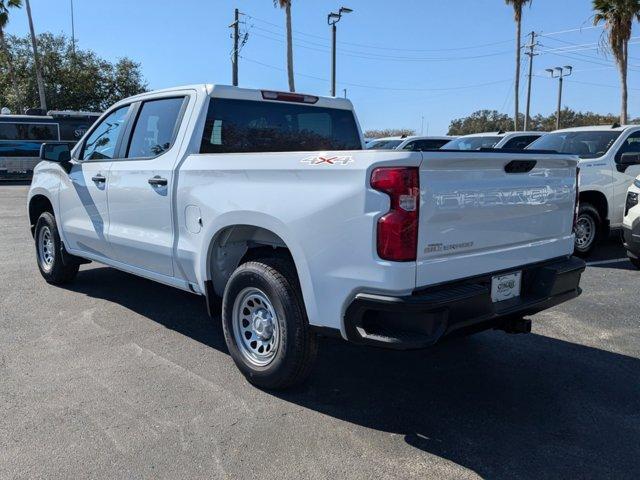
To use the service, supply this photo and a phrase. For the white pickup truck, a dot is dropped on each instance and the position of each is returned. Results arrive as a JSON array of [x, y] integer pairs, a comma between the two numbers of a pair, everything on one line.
[[609, 163], [265, 201]]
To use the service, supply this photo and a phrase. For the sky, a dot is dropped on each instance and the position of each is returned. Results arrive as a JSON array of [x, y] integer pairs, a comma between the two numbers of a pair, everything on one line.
[[405, 64]]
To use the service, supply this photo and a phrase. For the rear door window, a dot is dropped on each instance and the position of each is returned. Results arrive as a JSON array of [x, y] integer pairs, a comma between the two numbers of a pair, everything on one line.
[[520, 143], [235, 126], [155, 128], [425, 145]]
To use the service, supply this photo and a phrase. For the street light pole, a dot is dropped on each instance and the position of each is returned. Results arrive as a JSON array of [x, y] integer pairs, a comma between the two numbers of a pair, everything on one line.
[[332, 19], [560, 73]]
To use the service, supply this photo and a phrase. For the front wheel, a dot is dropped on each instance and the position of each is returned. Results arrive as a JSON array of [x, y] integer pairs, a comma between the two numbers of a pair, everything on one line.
[[49, 252], [588, 229], [265, 324]]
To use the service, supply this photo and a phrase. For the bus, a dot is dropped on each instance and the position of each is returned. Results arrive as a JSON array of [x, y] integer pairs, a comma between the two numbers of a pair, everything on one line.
[[22, 135]]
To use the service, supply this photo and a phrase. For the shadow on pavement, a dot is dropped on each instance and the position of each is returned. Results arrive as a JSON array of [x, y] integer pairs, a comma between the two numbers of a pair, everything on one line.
[[503, 406]]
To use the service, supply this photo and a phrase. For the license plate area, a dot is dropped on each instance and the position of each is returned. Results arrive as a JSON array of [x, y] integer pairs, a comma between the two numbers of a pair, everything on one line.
[[506, 286]]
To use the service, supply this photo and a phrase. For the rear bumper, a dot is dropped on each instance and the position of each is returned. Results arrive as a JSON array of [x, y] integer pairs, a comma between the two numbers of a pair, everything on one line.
[[632, 240], [462, 306]]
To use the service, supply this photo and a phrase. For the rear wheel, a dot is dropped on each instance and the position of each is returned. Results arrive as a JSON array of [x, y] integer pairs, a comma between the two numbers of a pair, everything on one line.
[[588, 229], [49, 252], [265, 324]]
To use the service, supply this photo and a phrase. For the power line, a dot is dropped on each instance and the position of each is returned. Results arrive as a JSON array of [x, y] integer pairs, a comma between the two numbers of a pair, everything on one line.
[[392, 58], [378, 47], [375, 87]]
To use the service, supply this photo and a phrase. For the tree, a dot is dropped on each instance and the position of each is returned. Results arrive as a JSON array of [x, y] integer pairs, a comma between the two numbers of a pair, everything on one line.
[[618, 17], [481, 121], [286, 4], [4, 20], [493, 121], [389, 132], [36, 60], [82, 81], [517, 12]]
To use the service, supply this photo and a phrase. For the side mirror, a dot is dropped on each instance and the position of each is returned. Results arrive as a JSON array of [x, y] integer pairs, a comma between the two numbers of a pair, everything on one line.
[[55, 152], [630, 158]]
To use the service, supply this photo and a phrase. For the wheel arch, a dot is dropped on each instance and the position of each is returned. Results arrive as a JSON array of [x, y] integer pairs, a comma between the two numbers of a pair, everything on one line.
[[599, 201], [236, 243], [38, 204]]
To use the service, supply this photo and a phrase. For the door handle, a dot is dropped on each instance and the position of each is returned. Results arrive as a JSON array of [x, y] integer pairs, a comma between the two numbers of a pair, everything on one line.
[[99, 178], [158, 181]]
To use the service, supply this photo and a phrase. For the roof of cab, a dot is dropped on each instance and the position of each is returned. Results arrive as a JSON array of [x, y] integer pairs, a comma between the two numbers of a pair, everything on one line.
[[502, 134], [599, 128], [227, 91]]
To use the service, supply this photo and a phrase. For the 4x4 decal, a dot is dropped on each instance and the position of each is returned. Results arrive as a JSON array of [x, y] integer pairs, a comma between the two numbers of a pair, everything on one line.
[[327, 160]]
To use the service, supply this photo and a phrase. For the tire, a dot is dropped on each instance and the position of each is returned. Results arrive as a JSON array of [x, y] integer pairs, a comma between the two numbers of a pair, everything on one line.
[[265, 324], [588, 229], [50, 252], [635, 261]]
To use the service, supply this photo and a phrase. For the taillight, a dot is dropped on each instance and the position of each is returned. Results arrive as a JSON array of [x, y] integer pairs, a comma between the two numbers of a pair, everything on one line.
[[398, 228], [577, 205]]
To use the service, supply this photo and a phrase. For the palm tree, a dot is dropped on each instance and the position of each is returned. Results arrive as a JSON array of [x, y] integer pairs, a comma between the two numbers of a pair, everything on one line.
[[36, 60], [618, 16], [517, 11], [286, 4], [4, 19]]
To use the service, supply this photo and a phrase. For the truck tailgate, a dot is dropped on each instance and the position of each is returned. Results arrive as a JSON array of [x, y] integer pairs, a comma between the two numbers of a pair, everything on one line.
[[484, 212]]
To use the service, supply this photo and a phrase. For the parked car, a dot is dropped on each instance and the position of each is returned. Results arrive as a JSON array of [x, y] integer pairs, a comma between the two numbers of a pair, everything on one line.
[[609, 163], [386, 143], [22, 135], [499, 140], [631, 224], [416, 143], [209, 189]]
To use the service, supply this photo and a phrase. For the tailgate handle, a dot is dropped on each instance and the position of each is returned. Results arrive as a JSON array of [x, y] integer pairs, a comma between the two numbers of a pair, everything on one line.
[[520, 166]]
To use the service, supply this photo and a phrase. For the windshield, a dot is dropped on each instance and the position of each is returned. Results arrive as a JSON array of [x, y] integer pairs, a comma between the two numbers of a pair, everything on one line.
[[383, 144], [472, 143], [586, 144]]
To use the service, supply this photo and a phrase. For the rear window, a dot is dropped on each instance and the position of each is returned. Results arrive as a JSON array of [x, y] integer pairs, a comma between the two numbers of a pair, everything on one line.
[[425, 145], [520, 143], [384, 144], [585, 144], [235, 126], [472, 143], [28, 131]]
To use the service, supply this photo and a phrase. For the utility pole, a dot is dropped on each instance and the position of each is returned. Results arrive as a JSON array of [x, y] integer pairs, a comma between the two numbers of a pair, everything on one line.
[[332, 19], [560, 73], [236, 41], [531, 53], [36, 60]]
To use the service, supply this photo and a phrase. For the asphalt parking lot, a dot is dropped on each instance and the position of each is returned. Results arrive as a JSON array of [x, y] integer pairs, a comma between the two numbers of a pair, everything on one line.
[[117, 377]]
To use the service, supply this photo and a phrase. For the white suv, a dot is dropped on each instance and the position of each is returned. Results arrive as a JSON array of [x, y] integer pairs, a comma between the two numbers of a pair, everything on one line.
[[609, 163], [631, 223]]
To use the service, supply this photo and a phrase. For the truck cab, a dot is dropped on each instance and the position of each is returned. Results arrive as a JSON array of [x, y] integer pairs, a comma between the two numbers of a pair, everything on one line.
[[609, 163]]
